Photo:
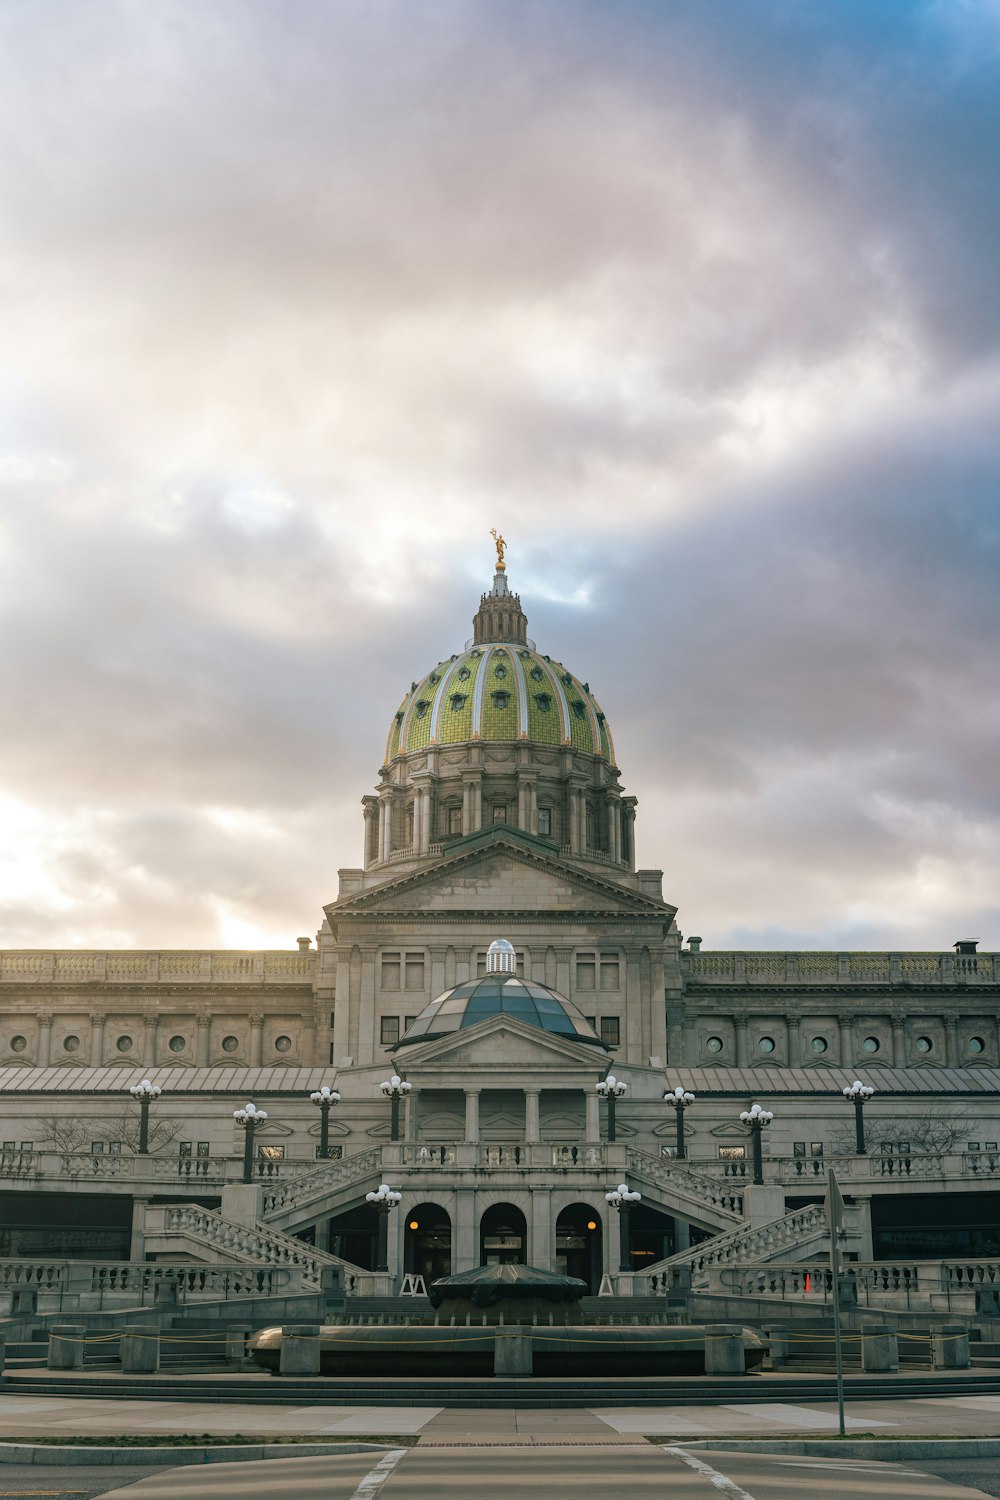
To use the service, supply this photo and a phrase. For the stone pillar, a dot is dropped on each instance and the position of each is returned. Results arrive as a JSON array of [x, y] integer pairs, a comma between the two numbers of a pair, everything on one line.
[[562, 983], [241, 1203], [951, 1042], [592, 1117], [658, 1010], [366, 1005], [763, 1203], [724, 1350], [634, 1008], [794, 1032], [512, 1352], [149, 1039], [522, 807], [472, 1116], [371, 805], [201, 1041], [898, 1042], [256, 1048], [574, 820], [541, 1231], [477, 804], [411, 1115], [140, 1349], [846, 1024], [950, 1347], [628, 831], [66, 1342], [614, 829], [97, 1024], [299, 1349], [532, 1131], [741, 1022], [879, 1349], [137, 1243], [44, 1038]]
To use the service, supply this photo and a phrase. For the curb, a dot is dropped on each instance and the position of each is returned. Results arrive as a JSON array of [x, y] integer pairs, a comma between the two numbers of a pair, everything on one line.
[[888, 1450], [58, 1455]]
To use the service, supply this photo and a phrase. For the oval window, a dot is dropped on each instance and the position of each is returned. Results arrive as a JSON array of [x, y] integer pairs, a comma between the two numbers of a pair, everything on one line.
[[713, 1044], [283, 1044], [124, 1044], [177, 1043], [818, 1044], [766, 1044], [924, 1044], [18, 1043], [230, 1043], [870, 1044], [72, 1044], [976, 1044]]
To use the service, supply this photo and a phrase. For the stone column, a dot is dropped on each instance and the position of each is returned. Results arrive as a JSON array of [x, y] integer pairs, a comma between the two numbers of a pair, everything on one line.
[[794, 1031], [562, 983], [385, 824], [846, 1024], [741, 1022], [411, 1115], [541, 1230], [370, 805], [149, 1029], [628, 831], [898, 1042], [951, 1042], [366, 1014], [531, 1122], [472, 1116], [574, 820], [592, 1116], [201, 1041], [256, 1049], [614, 828], [97, 1024], [44, 1038], [522, 807], [633, 1017]]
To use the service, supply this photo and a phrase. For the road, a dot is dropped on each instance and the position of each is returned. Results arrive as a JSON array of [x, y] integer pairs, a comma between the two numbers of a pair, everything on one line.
[[494, 1472]]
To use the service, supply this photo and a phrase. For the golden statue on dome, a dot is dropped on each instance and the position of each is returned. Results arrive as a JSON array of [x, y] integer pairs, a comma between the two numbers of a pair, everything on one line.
[[501, 546]]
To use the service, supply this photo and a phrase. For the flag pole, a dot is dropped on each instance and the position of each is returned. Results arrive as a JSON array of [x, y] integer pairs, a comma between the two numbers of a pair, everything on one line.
[[834, 1215]]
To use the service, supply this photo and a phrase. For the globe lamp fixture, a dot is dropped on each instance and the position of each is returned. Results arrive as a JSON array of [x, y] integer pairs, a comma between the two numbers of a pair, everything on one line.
[[145, 1092]]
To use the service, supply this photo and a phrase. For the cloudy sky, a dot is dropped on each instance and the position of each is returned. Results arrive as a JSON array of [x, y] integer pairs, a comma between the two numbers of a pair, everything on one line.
[[699, 303]]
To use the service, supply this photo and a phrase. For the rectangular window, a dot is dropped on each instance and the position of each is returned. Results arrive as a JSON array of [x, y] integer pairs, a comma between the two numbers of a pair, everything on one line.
[[545, 822], [972, 1146], [333, 1014], [454, 820], [732, 1153], [203, 1148], [591, 1022], [586, 971], [335, 1152], [414, 971], [408, 1022], [610, 979], [114, 1148], [10, 1145], [390, 1030], [183, 1148], [332, 1057], [815, 1148], [798, 1148], [390, 971], [610, 1031], [500, 812], [30, 1146], [271, 1153], [97, 1148]]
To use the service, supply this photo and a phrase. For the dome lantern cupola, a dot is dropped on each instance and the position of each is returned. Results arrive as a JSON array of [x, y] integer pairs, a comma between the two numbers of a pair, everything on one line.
[[500, 616]]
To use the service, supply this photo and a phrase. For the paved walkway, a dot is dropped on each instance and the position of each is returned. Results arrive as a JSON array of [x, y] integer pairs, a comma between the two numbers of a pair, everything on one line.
[[56, 1416]]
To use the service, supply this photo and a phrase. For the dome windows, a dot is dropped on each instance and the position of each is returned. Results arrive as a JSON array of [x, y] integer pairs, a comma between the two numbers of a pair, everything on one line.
[[537, 674], [565, 679], [578, 708], [464, 674], [422, 707], [458, 701], [501, 698], [544, 701]]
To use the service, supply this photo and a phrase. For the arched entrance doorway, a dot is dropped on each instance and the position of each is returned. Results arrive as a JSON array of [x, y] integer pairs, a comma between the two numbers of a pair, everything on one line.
[[427, 1242], [503, 1236], [578, 1244], [651, 1236]]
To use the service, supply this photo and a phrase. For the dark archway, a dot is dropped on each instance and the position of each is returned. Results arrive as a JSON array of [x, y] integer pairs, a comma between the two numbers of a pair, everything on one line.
[[427, 1242], [503, 1236], [579, 1244], [354, 1235], [651, 1236]]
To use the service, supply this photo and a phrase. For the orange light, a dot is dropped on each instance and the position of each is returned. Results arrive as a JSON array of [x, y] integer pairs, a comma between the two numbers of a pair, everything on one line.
[[414, 1223], [591, 1223]]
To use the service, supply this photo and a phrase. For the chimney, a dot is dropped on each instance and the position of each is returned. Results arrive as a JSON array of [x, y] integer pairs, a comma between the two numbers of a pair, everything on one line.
[[304, 944], [966, 945]]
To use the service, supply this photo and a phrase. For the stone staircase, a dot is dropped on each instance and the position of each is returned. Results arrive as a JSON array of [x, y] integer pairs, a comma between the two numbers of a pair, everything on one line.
[[294, 1203], [707, 1202], [192, 1231], [794, 1236]]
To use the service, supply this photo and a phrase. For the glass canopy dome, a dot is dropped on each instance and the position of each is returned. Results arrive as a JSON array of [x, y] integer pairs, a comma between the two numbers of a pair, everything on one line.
[[500, 994]]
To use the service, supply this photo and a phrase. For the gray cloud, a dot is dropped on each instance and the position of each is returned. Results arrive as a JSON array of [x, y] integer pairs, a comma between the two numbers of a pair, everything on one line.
[[700, 306]]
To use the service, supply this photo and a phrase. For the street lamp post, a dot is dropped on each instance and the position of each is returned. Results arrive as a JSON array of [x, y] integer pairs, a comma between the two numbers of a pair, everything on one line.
[[383, 1202], [621, 1199], [757, 1120], [249, 1117], [611, 1088], [145, 1092], [394, 1088], [324, 1097], [679, 1100], [859, 1094]]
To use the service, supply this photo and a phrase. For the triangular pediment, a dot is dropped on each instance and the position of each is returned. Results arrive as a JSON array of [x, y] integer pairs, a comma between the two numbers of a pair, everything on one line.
[[502, 1047], [501, 873]]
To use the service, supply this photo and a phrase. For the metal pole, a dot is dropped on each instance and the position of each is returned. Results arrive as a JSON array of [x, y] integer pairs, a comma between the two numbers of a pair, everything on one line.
[[382, 1258], [394, 1118], [833, 1197], [859, 1125], [680, 1133], [625, 1260], [324, 1130], [248, 1151], [144, 1125], [611, 1115], [758, 1160]]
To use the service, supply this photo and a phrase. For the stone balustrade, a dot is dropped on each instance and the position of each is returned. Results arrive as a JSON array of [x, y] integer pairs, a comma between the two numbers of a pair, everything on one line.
[[90, 1286], [76, 1168], [877, 1165], [725, 966], [167, 966], [924, 1285], [744, 1246]]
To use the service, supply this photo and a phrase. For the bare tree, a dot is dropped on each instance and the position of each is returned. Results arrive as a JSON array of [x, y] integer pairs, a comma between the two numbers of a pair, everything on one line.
[[118, 1123], [937, 1134]]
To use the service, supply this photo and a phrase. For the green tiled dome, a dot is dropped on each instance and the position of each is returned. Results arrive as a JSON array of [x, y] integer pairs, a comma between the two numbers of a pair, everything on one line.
[[499, 691]]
